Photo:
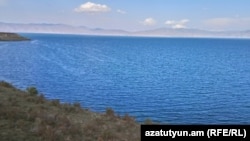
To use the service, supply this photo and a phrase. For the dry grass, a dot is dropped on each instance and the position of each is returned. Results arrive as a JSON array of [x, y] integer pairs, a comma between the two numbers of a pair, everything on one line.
[[29, 116]]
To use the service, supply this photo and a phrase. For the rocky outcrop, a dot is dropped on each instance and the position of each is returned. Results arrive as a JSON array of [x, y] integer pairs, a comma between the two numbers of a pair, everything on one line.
[[4, 36]]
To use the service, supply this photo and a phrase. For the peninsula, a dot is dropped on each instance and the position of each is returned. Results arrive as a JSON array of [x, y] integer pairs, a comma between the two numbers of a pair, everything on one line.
[[5, 36]]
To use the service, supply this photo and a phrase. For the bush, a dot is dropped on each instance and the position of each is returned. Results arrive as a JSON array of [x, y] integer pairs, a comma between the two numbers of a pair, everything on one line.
[[55, 102], [40, 99], [32, 91], [128, 118], [6, 84], [68, 108], [77, 105], [110, 112], [148, 121]]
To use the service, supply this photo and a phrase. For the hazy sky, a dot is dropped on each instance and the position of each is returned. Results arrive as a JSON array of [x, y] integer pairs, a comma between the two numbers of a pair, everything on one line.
[[131, 14]]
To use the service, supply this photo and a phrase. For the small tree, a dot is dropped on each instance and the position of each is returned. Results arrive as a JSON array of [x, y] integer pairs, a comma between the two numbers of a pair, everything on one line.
[[32, 91]]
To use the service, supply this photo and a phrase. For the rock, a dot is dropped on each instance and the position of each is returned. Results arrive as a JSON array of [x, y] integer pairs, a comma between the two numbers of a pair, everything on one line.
[[4, 36]]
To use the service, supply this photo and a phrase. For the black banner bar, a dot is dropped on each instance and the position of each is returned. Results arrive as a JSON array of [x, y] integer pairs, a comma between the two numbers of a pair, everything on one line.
[[201, 132]]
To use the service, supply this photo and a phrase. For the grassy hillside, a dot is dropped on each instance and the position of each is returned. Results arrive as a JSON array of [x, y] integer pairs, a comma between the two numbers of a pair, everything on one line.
[[28, 116]]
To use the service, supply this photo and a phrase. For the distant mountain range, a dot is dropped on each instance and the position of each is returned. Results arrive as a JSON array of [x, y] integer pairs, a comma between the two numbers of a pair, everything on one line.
[[163, 32]]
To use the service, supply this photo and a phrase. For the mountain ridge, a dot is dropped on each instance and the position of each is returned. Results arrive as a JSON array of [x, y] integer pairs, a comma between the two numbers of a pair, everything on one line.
[[162, 32]]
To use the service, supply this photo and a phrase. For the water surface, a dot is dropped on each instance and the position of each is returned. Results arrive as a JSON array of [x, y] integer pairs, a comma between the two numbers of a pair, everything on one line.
[[170, 80]]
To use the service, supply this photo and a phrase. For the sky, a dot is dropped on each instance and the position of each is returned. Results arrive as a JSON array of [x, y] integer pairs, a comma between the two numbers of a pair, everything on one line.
[[131, 15]]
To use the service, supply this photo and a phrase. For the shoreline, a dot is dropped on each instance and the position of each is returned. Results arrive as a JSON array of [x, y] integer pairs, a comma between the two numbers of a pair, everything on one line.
[[140, 36], [9, 36]]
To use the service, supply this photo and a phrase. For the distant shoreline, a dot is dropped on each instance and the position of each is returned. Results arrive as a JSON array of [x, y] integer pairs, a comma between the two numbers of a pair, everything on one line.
[[139, 36], [7, 36], [157, 32]]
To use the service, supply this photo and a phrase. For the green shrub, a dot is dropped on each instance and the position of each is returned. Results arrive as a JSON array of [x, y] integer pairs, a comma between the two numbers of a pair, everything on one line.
[[77, 105], [148, 121], [6, 84], [68, 108], [110, 112], [40, 99], [32, 91], [55, 102], [128, 118]]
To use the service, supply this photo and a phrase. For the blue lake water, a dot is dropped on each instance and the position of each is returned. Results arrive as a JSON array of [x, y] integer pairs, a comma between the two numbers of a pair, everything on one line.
[[170, 80]]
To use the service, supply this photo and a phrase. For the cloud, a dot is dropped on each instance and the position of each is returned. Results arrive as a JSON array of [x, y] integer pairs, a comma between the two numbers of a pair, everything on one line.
[[90, 7], [184, 21], [170, 22], [177, 24], [121, 11], [149, 22]]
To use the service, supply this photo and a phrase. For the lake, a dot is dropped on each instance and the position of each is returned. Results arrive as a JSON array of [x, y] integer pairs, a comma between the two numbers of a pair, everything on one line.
[[169, 80]]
